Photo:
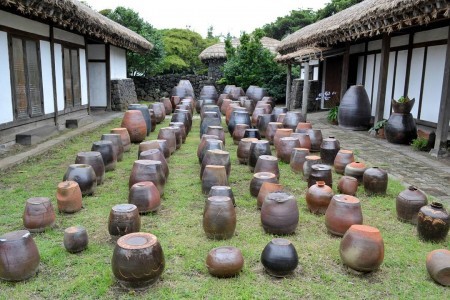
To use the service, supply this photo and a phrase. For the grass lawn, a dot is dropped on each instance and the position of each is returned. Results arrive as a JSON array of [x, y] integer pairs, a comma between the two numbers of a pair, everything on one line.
[[178, 225]]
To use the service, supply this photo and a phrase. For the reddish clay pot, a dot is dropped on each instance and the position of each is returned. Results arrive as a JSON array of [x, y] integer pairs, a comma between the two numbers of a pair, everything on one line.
[[318, 197], [211, 144], [329, 149], [123, 219], [124, 136], [168, 134], [19, 256], [222, 190], [84, 175], [38, 214], [343, 212], [159, 110], [155, 154], [178, 136], [256, 113], [238, 117], [362, 248], [271, 129], [257, 148], [342, 159], [292, 119], [375, 181], [277, 110], [281, 118], [117, 144], [238, 133], [310, 160], [315, 135], [438, 266], [219, 218], [224, 262], [216, 130], [298, 157], [279, 258], [216, 157], [148, 170], [348, 185], [281, 133], [320, 172], [182, 129], [167, 105], [109, 156], [258, 179], [262, 122], [95, 160], [408, 204], [75, 239], [267, 163], [145, 196], [213, 175], [266, 188], [355, 169], [279, 213], [433, 222], [303, 126], [243, 150], [152, 120], [303, 138], [134, 122], [202, 144], [68, 197], [285, 147]]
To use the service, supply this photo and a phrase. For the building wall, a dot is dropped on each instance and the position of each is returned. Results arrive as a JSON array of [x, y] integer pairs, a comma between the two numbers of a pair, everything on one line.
[[118, 58], [47, 77], [24, 24], [59, 77], [6, 111]]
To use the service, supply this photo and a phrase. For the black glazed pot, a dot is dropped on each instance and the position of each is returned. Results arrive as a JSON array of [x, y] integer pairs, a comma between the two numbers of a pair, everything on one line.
[[252, 133], [279, 257], [354, 110], [400, 129]]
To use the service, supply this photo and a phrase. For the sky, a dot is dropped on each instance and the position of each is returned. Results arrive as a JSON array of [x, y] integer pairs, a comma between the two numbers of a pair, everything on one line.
[[226, 16]]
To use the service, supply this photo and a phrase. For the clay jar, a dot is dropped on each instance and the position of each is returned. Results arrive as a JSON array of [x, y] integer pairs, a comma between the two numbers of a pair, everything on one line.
[[375, 181], [108, 155], [239, 132], [298, 157], [134, 122], [216, 157], [348, 185], [271, 130], [262, 122], [152, 119], [329, 149], [310, 160], [292, 119], [124, 136], [303, 126], [222, 190], [123, 219], [243, 150], [148, 170], [433, 222], [202, 144], [318, 197], [38, 214], [342, 159], [178, 136], [75, 239], [303, 138], [217, 130], [267, 163], [213, 175], [252, 133], [257, 148], [224, 261], [219, 218], [266, 188], [182, 129], [159, 111], [281, 118], [145, 196], [138, 260], [167, 105], [155, 154], [145, 113], [258, 179], [95, 160], [116, 142], [408, 204], [84, 175], [19, 256], [279, 258], [168, 134], [279, 213], [438, 266], [315, 135], [320, 172], [343, 212], [362, 248], [68, 197], [355, 169], [285, 147], [210, 144], [208, 121], [277, 110], [238, 117], [354, 110], [280, 133]]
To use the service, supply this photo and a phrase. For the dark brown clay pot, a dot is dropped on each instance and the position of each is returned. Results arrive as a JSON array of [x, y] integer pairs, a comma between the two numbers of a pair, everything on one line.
[[238, 132], [167, 105], [211, 144], [303, 126], [285, 147], [234, 107], [219, 218], [252, 133], [292, 119], [216, 130], [148, 170], [124, 136], [216, 157], [38, 214], [320, 172], [281, 118], [152, 119], [266, 188], [123, 219], [433, 222], [279, 213], [267, 163], [257, 148], [256, 113], [222, 190], [75, 239], [145, 113], [303, 138], [224, 261], [404, 107], [207, 122], [271, 129], [156, 154], [202, 144], [281, 133], [279, 258], [95, 160], [84, 175], [298, 157], [329, 149], [400, 129], [319, 197], [138, 260], [116, 142], [159, 110], [310, 160], [258, 179], [348, 185], [343, 212], [168, 134], [355, 169], [178, 136], [243, 150], [408, 204], [315, 135], [19, 256], [238, 117], [145, 196], [68, 197], [213, 175], [221, 98], [277, 110], [182, 129], [354, 109], [438, 266], [134, 122], [109, 157], [342, 159], [362, 248], [375, 181], [262, 122]]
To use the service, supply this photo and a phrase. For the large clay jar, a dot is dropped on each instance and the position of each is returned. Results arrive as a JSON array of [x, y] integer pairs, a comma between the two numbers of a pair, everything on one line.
[[320, 172], [375, 181], [116, 142], [271, 129], [167, 105], [145, 196], [408, 204], [252, 133], [208, 121], [258, 179], [243, 150], [342, 159], [229, 115], [138, 260], [262, 122], [84, 175], [159, 111], [310, 160], [298, 157], [348, 185], [213, 175], [238, 117], [156, 154], [19, 256], [277, 110], [315, 135], [108, 155], [168, 134], [257, 148], [400, 129], [224, 261], [202, 144], [238, 133], [219, 218], [68, 197], [292, 119], [222, 190], [266, 188], [318, 197], [355, 169], [281, 118], [38, 214], [286, 146], [216, 157], [95, 160], [211, 144], [279, 213], [303, 126], [343, 212], [438, 266], [145, 113], [124, 136], [225, 104], [354, 109], [362, 248], [221, 98], [182, 129], [123, 219], [267, 163], [178, 136], [281, 133], [134, 122], [216, 130], [304, 139], [279, 257], [329, 149], [152, 119], [148, 170], [433, 222], [75, 239]]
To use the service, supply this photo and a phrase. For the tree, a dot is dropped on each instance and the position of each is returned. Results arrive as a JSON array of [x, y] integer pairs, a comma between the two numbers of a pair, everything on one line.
[[289, 24], [333, 7]]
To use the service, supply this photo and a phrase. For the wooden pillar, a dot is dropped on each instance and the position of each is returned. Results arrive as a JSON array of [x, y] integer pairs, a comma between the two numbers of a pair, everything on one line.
[[86, 56], [108, 76], [324, 74], [440, 146], [344, 74], [52, 56], [288, 86], [382, 79], [305, 90]]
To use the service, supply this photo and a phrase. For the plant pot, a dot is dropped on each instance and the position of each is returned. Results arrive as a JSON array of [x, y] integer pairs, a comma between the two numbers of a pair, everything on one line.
[[403, 107]]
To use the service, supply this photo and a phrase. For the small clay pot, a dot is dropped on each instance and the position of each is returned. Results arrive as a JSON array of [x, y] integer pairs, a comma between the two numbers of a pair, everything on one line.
[[280, 133], [285, 147], [134, 122], [210, 144], [408, 204], [216, 157], [95, 160], [84, 175], [217, 130], [318, 197], [123, 219], [222, 190], [315, 135], [168, 134], [303, 126], [182, 130], [266, 188], [116, 142], [252, 133], [343, 212], [298, 157], [303, 138], [257, 148], [108, 155], [279, 258], [148, 170], [68, 197], [178, 136], [310, 160], [271, 129], [145, 196], [124, 136], [159, 110], [375, 181], [262, 122], [75, 239], [238, 132], [258, 179], [156, 154], [320, 172], [277, 110], [433, 222], [348, 185], [355, 169], [224, 261], [219, 218], [243, 150], [202, 144], [438, 266], [267, 163], [38, 214], [342, 159], [213, 175], [279, 213], [329, 149]]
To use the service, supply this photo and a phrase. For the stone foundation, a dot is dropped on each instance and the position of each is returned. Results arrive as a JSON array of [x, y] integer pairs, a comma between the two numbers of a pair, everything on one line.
[[123, 93], [297, 95]]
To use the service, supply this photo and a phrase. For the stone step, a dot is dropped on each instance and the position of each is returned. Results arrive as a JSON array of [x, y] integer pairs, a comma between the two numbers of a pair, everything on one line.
[[79, 122], [37, 135]]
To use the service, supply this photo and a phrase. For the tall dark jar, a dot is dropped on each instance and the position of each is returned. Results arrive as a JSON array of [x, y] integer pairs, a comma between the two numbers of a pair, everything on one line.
[[279, 257], [408, 204], [354, 110], [433, 222], [329, 149], [375, 180]]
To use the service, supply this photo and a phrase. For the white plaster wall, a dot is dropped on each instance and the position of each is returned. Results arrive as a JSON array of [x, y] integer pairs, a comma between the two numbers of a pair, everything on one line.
[[389, 84], [431, 35], [96, 51], [118, 59], [360, 71], [369, 74], [47, 77], [316, 73], [358, 48], [6, 107], [401, 40], [415, 78], [374, 45], [376, 80], [68, 36], [400, 74], [83, 78], [97, 84], [59, 77], [24, 24]]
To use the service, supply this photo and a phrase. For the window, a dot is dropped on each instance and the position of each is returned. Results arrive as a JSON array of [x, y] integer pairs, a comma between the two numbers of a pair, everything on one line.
[[72, 86], [26, 76]]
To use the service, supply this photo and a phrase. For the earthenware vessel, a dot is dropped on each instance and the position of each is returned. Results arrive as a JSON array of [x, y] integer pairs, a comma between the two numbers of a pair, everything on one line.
[[38, 214], [217, 130], [279, 257], [343, 212], [210, 108], [152, 119], [362, 248], [408, 204], [375, 181], [148, 145], [433, 222], [329, 149], [222, 190], [159, 110], [108, 155], [318, 197], [221, 98], [145, 113], [145, 196], [213, 175], [267, 163], [123, 219], [310, 160], [298, 157], [211, 144], [224, 261], [75, 239], [124, 136], [208, 121], [238, 117], [271, 129], [167, 105], [68, 197], [354, 109], [315, 135], [252, 133], [285, 147], [320, 172], [236, 92], [116, 143], [280, 133], [175, 99], [219, 218], [202, 144], [243, 150], [229, 115], [225, 104], [257, 148], [84, 175], [178, 136], [184, 116], [95, 160], [238, 132], [182, 129], [342, 159], [257, 93], [279, 213], [400, 129], [348, 185], [303, 126], [292, 119], [148, 170], [355, 169], [303, 138], [403, 107], [19, 256], [134, 122], [438, 266], [257, 112], [266, 188], [156, 154], [168, 134], [216, 157], [258, 179], [262, 122], [277, 110]]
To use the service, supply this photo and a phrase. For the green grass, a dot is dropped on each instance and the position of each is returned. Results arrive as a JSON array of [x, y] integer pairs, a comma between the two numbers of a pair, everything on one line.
[[178, 225]]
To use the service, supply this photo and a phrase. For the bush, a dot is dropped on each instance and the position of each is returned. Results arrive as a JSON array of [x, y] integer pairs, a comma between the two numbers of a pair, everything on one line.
[[420, 144]]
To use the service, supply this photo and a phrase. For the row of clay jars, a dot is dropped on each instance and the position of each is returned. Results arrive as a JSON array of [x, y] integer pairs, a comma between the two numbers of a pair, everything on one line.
[[286, 145], [304, 139], [216, 130], [145, 113], [169, 135], [238, 133], [279, 213], [182, 130], [310, 160], [219, 217], [161, 145], [292, 118], [159, 111], [210, 119]]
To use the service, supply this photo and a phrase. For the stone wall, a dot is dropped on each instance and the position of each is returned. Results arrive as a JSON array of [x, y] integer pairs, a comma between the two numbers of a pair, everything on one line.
[[214, 68], [297, 95], [123, 93]]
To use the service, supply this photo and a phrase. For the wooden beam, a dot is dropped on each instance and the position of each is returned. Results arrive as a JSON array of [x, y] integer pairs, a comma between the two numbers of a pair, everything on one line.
[[52, 56], [305, 90], [382, 79], [288, 86], [108, 76], [345, 67], [324, 74]]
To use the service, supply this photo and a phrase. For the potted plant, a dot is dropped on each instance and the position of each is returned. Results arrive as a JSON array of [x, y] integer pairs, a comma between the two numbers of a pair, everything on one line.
[[332, 116], [403, 105], [378, 128]]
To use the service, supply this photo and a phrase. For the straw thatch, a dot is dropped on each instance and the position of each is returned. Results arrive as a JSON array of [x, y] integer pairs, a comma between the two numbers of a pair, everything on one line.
[[75, 16], [307, 53], [366, 19], [217, 51]]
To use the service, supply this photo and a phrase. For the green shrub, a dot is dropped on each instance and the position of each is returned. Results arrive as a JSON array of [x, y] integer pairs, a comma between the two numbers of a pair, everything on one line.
[[333, 114], [420, 144]]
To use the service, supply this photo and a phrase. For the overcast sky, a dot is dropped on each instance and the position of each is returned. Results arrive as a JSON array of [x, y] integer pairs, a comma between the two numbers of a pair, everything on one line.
[[225, 16]]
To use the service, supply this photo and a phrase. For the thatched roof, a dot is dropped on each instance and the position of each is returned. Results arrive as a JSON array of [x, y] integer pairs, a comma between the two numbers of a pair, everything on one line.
[[75, 16], [366, 19], [217, 51], [307, 53]]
